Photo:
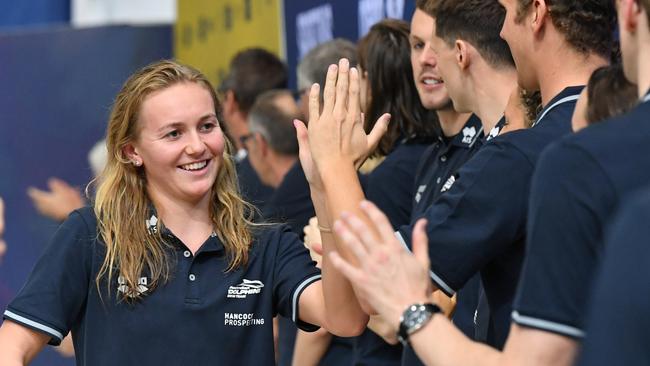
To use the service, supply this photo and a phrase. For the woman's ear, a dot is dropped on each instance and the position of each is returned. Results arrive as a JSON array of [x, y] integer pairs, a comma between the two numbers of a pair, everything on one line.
[[131, 153]]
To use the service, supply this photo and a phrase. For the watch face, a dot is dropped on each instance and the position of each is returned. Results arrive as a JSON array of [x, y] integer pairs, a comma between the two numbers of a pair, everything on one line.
[[415, 316]]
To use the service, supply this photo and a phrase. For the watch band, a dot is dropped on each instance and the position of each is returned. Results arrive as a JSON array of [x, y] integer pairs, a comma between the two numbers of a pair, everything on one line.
[[414, 318]]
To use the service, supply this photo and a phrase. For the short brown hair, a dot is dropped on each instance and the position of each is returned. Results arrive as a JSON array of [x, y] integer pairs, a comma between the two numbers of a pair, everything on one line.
[[478, 22], [587, 25]]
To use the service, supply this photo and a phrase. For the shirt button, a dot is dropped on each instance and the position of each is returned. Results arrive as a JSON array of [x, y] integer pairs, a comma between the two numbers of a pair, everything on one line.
[[192, 277], [443, 158], [438, 180], [187, 254]]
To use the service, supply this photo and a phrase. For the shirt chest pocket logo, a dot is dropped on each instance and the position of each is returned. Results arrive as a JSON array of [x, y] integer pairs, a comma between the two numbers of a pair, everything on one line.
[[123, 287], [247, 287]]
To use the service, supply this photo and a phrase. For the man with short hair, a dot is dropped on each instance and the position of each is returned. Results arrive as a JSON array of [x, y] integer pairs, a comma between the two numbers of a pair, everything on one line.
[[252, 72]]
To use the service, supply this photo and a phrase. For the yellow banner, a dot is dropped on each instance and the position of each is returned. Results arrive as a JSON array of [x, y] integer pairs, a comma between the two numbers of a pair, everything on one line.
[[208, 33]]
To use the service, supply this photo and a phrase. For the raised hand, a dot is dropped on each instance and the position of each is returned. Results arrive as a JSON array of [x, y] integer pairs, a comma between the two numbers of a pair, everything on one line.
[[389, 278], [336, 134]]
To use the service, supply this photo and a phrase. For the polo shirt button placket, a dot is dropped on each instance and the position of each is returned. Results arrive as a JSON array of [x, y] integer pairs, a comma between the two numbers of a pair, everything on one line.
[[187, 254]]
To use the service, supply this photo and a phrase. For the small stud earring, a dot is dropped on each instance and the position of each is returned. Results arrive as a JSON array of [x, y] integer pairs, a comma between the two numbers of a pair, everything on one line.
[[137, 162]]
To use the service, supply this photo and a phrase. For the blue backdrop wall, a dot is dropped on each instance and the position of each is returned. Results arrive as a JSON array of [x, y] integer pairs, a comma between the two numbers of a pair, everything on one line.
[[56, 88]]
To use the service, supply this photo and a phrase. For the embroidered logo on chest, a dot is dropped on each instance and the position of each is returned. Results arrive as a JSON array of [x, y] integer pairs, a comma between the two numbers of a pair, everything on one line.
[[143, 286], [247, 287]]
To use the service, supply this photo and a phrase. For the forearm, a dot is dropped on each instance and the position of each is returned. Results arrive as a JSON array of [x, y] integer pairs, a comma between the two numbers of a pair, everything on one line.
[[440, 343], [310, 347], [19, 345]]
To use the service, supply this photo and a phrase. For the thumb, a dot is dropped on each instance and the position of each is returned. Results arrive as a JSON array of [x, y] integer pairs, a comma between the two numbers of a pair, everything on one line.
[[378, 130], [421, 244], [318, 248]]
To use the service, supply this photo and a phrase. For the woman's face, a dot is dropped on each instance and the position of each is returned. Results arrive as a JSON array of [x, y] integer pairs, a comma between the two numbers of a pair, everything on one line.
[[179, 143]]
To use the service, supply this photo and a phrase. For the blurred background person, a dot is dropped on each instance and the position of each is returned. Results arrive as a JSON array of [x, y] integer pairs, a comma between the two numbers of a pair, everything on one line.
[[252, 72], [313, 67]]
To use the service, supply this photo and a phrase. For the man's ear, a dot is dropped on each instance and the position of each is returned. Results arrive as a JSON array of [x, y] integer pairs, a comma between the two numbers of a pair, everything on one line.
[[262, 145], [230, 104], [631, 11], [540, 15], [462, 54]]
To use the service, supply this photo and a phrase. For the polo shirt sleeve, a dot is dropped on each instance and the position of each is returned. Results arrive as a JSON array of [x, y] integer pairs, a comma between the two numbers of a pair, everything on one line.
[[617, 327], [294, 272], [476, 219], [569, 194], [56, 289]]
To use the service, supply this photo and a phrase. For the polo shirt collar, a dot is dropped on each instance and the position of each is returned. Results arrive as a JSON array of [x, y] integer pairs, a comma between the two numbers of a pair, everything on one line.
[[212, 244], [569, 94], [496, 130], [471, 132]]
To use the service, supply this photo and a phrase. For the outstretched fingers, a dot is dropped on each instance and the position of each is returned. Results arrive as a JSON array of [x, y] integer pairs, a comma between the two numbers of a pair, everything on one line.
[[350, 240], [329, 93], [378, 131], [314, 103], [361, 231], [379, 221], [354, 110], [342, 84]]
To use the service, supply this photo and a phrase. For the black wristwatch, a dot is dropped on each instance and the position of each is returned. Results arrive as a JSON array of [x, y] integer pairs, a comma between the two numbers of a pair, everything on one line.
[[414, 318]]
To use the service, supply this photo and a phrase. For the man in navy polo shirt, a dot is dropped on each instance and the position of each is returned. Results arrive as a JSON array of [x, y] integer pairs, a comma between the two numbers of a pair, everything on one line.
[[479, 224], [578, 185], [617, 327]]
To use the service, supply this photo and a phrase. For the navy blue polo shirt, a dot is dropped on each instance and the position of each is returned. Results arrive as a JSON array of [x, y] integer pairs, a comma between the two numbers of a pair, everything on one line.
[[441, 160], [618, 324], [579, 183], [472, 312], [251, 187], [202, 315], [291, 203], [479, 224]]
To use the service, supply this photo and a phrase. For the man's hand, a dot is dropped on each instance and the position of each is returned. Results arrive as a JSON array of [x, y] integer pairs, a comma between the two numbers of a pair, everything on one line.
[[388, 277], [59, 202]]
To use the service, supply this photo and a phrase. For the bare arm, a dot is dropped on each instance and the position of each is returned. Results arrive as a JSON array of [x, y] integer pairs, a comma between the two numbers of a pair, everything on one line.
[[310, 347], [18, 344]]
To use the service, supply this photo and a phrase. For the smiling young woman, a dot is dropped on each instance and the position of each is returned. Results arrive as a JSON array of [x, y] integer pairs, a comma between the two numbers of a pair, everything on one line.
[[166, 267]]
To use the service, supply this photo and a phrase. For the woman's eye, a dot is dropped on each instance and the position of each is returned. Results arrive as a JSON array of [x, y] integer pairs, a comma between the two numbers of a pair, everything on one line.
[[173, 134], [209, 126], [417, 46]]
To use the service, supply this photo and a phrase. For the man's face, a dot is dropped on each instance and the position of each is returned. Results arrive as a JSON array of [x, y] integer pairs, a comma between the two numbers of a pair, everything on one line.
[[430, 86], [449, 71], [519, 38]]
